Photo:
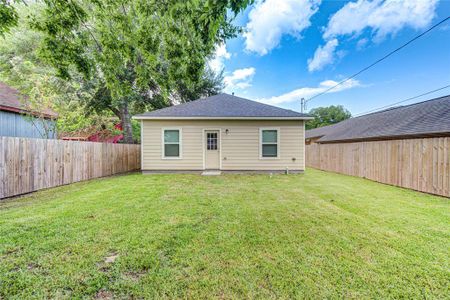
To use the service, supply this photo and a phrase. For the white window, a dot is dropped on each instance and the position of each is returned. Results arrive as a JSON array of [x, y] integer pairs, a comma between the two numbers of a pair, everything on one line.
[[269, 143], [172, 143]]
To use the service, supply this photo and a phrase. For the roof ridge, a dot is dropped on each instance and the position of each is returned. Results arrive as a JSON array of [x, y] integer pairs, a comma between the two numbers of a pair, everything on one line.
[[402, 106]]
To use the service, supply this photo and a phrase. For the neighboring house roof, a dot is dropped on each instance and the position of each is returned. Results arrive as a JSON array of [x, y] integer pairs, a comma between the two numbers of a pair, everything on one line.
[[12, 100], [223, 106], [423, 119]]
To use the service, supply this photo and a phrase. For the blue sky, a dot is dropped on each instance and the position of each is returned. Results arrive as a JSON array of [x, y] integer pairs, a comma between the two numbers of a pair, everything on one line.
[[297, 48]]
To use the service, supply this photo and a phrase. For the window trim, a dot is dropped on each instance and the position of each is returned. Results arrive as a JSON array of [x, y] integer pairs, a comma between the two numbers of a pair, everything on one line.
[[180, 143], [142, 144], [261, 129]]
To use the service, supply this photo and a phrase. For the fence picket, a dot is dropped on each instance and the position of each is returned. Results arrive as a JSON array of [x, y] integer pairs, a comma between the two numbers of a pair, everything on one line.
[[419, 164], [27, 165]]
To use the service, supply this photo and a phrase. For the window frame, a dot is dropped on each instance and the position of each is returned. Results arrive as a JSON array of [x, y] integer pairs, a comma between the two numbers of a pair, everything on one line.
[[261, 130], [180, 143]]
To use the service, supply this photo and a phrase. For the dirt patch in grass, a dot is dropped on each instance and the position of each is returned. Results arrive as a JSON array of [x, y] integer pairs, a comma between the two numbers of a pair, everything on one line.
[[104, 295], [135, 275], [111, 258]]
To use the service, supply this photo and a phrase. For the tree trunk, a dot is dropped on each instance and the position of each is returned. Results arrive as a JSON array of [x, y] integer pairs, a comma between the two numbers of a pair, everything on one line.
[[125, 118]]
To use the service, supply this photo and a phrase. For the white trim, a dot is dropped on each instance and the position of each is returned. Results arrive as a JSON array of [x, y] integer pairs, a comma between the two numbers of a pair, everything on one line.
[[220, 149], [142, 144], [180, 142], [204, 146], [261, 129], [222, 118]]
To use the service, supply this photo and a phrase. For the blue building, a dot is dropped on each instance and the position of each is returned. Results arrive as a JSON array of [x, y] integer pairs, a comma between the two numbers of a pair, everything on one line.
[[17, 121]]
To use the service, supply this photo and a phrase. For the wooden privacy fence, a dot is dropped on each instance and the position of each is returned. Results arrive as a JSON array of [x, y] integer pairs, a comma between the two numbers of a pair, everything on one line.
[[419, 164], [28, 165]]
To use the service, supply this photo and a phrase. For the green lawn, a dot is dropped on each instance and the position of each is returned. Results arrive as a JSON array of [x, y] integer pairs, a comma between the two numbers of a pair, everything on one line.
[[318, 235]]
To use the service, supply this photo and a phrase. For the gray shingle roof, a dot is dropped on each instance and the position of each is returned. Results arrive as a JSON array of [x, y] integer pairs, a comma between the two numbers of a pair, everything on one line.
[[223, 106], [428, 118], [318, 132]]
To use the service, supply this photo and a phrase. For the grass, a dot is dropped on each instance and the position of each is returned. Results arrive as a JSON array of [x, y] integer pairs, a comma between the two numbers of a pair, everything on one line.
[[318, 235]]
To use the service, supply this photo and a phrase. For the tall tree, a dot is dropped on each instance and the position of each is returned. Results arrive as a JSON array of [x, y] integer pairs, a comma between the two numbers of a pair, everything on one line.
[[8, 16], [136, 53], [324, 116], [22, 68]]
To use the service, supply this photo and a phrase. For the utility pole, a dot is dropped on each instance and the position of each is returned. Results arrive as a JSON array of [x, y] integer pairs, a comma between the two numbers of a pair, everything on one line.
[[303, 105]]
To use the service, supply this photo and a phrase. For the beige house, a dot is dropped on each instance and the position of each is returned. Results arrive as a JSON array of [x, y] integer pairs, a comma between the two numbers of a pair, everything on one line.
[[222, 133]]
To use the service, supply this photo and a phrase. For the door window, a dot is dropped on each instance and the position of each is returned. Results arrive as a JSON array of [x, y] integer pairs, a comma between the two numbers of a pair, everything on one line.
[[211, 140]]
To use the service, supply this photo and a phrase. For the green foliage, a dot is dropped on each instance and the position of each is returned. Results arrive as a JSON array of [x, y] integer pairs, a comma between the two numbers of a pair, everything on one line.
[[8, 17], [136, 125], [131, 56], [313, 236], [22, 68], [210, 84], [324, 116], [140, 54]]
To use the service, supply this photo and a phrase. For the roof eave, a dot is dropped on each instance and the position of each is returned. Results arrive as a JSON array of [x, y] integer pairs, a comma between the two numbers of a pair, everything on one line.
[[27, 112], [314, 136], [220, 118], [387, 137]]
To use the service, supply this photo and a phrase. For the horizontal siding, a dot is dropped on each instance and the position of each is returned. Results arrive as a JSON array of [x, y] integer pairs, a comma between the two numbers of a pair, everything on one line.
[[17, 125], [240, 147]]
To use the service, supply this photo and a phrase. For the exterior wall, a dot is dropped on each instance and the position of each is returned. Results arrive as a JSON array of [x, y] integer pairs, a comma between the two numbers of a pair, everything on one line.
[[17, 125], [240, 147]]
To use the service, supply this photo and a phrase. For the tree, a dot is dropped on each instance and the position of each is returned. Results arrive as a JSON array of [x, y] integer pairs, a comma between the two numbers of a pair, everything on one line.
[[210, 84], [324, 116], [8, 16], [22, 68], [136, 54]]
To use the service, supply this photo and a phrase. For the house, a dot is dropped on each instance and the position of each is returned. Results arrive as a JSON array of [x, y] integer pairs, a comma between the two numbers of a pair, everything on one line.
[[429, 118], [17, 120], [222, 132]]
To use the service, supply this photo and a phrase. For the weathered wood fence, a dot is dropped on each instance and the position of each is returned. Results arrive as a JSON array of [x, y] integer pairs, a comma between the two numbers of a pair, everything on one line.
[[28, 165], [419, 164]]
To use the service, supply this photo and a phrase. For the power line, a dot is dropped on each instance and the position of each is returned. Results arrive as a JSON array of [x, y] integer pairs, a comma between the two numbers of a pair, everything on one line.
[[405, 100], [379, 60]]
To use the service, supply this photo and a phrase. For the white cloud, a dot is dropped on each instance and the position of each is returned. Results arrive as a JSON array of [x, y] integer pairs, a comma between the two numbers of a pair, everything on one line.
[[382, 17], [220, 55], [271, 19], [307, 92], [323, 56], [361, 43], [239, 79]]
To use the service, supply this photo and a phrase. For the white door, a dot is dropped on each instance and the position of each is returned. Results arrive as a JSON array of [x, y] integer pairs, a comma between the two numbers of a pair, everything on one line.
[[212, 150]]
